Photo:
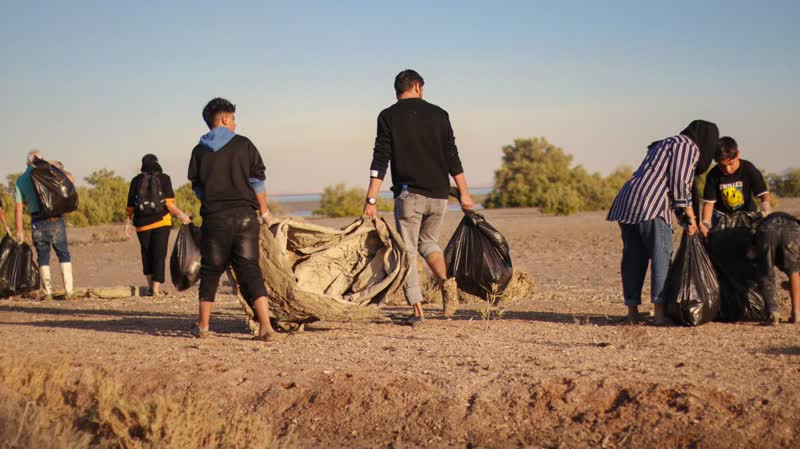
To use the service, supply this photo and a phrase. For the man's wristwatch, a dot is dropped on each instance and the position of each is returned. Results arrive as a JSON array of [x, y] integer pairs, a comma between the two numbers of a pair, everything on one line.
[[371, 200]]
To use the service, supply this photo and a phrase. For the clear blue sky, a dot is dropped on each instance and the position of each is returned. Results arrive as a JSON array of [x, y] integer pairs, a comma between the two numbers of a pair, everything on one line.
[[99, 84]]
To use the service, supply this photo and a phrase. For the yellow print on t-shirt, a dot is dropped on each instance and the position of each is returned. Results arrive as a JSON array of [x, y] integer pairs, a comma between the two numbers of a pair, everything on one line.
[[732, 196]]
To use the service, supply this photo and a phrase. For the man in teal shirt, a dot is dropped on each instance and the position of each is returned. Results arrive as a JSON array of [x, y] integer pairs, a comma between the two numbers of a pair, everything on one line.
[[46, 232]]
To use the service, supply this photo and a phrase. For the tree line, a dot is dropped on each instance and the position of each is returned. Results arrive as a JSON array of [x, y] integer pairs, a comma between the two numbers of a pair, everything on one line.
[[533, 173]]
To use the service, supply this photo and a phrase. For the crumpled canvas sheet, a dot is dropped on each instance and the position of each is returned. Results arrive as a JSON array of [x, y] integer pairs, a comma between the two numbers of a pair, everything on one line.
[[317, 273]]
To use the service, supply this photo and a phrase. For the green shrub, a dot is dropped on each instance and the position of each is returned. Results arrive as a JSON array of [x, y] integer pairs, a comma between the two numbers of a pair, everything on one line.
[[535, 173], [787, 185], [338, 201], [187, 201], [103, 202]]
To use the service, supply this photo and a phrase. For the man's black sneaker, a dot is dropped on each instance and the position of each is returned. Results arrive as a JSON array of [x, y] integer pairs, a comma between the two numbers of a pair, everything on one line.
[[414, 320]]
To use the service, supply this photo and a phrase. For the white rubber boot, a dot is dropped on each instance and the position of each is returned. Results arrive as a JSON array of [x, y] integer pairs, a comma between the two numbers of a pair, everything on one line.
[[66, 269], [44, 274]]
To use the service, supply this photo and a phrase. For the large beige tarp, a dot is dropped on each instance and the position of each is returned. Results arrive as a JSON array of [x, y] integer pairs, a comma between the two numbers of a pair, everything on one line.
[[316, 273]]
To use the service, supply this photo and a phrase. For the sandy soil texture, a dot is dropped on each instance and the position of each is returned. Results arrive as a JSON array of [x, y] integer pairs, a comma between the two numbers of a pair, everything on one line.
[[559, 370]]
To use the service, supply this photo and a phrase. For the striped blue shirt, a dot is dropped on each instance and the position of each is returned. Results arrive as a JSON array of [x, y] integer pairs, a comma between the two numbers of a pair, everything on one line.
[[662, 182]]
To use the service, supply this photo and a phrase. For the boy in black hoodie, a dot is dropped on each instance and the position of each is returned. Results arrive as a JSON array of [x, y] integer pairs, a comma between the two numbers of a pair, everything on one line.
[[227, 175], [778, 246]]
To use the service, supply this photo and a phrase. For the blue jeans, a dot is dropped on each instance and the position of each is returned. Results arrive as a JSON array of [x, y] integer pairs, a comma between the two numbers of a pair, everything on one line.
[[643, 243], [48, 233]]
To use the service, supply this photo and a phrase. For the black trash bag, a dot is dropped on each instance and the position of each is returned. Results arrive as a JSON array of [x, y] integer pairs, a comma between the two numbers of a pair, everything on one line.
[[184, 264], [732, 249], [6, 282], [692, 286], [478, 257], [18, 271], [56, 193]]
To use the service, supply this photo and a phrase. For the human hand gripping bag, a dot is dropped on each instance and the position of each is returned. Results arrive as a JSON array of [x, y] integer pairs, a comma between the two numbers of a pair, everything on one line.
[[184, 264], [731, 247], [478, 257], [56, 193], [693, 295]]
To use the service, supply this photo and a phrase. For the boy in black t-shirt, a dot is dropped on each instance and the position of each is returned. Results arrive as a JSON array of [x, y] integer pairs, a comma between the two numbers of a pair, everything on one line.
[[731, 186]]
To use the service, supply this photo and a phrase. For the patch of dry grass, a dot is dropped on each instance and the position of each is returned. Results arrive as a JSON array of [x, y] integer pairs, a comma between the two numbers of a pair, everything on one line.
[[49, 406]]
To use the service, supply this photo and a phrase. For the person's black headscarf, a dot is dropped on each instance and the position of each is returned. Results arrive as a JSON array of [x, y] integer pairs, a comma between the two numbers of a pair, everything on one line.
[[150, 164], [706, 136]]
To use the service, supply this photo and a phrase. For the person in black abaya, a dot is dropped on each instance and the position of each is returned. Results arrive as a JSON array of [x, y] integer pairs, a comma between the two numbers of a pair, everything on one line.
[[706, 136]]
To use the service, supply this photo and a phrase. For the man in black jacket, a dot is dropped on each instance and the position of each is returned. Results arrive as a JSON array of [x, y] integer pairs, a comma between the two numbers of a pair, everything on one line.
[[227, 175], [416, 137]]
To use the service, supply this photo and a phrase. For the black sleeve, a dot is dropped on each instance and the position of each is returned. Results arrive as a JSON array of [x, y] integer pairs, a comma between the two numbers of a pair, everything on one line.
[[257, 169], [132, 192], [711, 189], [194, 171], [382, 153], [166, 186], [757, 182], [451, 151]]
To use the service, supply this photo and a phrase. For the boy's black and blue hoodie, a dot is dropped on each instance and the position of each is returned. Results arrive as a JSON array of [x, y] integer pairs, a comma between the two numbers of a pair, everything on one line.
[[226, 172]]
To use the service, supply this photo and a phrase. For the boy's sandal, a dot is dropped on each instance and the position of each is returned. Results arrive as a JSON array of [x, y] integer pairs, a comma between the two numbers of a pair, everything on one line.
[[197, 332]]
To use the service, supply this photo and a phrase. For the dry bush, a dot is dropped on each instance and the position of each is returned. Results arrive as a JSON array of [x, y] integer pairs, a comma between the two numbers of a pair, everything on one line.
[[108, 235], [521, 287], [50, 405], [24, 424]]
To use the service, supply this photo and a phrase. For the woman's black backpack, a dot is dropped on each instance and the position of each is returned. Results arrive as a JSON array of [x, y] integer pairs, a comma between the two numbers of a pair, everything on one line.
[[150, 199]]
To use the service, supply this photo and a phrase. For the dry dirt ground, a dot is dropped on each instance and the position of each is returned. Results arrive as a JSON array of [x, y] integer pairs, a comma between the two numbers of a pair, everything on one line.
[[559, 370]]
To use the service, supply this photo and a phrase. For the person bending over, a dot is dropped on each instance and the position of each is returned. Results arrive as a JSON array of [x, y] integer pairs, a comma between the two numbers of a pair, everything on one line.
[[731, 186], [778, 245], [661, 186], [227, 175]]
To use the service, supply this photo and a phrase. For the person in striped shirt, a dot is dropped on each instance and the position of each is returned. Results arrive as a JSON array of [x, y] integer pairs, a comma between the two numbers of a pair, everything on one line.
[[661, 186]]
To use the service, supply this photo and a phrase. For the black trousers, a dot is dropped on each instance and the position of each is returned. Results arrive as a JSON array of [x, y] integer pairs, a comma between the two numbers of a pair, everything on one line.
[[154, 245], [231, 238]]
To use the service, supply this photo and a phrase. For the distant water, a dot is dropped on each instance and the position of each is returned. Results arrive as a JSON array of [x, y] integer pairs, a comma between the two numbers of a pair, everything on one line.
[[312, 197]]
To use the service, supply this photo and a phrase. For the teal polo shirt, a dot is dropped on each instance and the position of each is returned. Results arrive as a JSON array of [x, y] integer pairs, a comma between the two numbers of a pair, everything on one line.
[[25, 193]]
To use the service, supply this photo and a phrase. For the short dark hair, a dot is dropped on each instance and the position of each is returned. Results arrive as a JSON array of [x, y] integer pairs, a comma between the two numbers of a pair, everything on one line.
[[214, 107], [728, 149], [406, 79]]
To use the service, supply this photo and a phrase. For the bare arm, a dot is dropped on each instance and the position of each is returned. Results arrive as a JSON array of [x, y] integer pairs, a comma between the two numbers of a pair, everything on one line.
[[463, 190], [371, 210], [3, 219], [173, 209], [766, 199], [705, 222], [18, 211], [262, 203]]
